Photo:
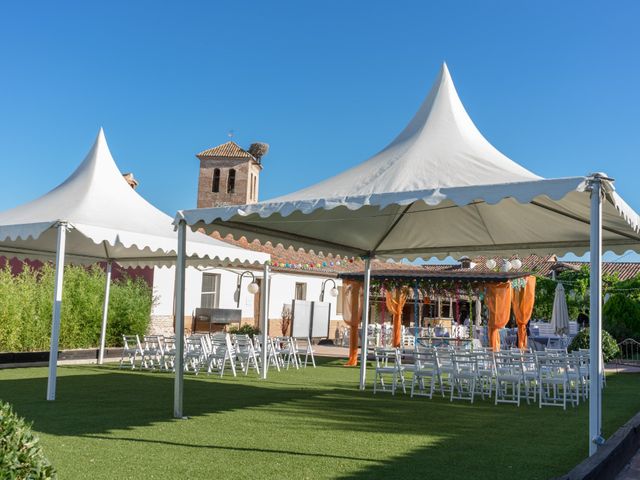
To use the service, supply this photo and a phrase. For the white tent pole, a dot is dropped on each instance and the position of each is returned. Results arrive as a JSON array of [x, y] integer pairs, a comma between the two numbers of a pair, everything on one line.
[[179, 328], [264, 319], [365, 323], [595, 318], [105, 312], [57, 306]]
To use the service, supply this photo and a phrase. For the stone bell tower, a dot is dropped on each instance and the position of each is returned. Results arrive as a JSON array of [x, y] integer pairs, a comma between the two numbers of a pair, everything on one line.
[[229, 175]]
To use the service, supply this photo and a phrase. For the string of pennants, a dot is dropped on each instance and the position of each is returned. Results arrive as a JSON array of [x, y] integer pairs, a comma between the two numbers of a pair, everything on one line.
[[312, 265]]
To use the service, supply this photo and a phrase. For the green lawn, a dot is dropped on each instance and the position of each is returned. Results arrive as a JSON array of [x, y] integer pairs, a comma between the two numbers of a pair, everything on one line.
[[313, 423]]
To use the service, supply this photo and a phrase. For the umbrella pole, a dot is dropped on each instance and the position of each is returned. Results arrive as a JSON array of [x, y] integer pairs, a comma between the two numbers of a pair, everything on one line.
[[365, 323], [179, 329], [105, 312], [264, 319], [57, 306], [595, 319]]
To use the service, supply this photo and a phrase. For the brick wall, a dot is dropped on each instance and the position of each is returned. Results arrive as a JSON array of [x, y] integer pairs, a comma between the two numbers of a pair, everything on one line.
[[207, 198]]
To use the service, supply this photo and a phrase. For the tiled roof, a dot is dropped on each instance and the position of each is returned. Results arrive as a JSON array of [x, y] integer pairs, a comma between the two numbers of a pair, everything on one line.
[[292, 261], [230, 149]]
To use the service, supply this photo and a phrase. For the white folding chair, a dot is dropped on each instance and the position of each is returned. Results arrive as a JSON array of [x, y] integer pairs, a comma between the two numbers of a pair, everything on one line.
[[167, 361], [222, 351], [464, 376], [553, 381], [388, 363], [194, 354], [445, 369], [131, 349], [152, 351], [246, 354], [509, 378], [285, 350], [425, 367], [303, 346]]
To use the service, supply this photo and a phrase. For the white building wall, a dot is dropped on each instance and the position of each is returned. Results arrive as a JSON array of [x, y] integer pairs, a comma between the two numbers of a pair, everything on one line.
[[282, 292], [163, 290]]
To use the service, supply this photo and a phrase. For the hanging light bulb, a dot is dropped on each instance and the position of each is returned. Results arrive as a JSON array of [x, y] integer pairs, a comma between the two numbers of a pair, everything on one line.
[[334, 292], [506, 266], [253, 288], [491, 264], [516, 263]]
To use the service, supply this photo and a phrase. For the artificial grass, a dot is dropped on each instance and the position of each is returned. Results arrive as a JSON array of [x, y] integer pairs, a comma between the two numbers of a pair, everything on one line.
[[313, 423]]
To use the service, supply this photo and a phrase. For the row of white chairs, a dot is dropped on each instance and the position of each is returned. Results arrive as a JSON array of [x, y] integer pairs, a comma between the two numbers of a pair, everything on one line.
[[550, 378], [213, 352]]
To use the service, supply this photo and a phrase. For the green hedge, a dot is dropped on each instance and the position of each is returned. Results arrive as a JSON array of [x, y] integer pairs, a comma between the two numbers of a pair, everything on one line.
[[621, 316], [21, 457], [610, 349], [26, 305]]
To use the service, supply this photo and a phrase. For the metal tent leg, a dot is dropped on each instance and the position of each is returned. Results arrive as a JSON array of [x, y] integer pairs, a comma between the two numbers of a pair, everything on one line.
[[57, 306], [179, 331], [595, 319], [105, 313], [365, 323]]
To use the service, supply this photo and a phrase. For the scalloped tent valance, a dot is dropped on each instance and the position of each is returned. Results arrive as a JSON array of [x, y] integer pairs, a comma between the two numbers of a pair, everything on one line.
[[106, 220], [440, 188]]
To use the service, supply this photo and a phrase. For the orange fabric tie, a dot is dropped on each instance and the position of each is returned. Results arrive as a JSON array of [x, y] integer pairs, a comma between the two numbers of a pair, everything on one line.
[[498, 301], [395, 306], [522, 303], [351, 314]]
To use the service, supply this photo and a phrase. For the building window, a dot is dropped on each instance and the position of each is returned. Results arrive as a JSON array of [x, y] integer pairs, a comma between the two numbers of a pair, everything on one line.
[[339, 300], [255, 190], [430, 310], [445, 309], [301, 291], [215, 186], [210, 290], [251, 187], [231, 182]]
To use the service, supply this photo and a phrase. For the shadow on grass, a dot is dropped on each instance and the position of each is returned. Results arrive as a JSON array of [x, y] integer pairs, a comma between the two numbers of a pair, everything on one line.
[[463, 440], [273, 451], [93, 400]]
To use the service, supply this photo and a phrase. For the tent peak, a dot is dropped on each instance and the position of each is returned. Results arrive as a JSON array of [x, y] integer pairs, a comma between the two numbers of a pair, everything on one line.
[[439, 148]]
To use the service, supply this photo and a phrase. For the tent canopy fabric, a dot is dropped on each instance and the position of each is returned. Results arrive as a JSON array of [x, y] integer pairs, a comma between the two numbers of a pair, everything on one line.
[[106, 219], [438, 189]]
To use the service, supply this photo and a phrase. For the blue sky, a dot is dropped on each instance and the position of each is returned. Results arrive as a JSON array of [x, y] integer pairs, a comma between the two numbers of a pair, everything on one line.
[[554, 85]]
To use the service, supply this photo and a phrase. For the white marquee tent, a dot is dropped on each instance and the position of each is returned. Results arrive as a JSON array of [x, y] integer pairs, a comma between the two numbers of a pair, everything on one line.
[[440, 188], [94, 215]]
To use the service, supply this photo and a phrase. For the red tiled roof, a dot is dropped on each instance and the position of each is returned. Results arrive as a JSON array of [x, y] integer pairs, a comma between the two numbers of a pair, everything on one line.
[[290, 260], [230, 149]]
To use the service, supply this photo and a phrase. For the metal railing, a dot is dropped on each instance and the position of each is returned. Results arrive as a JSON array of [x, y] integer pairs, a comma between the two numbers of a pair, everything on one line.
[[629, 352]]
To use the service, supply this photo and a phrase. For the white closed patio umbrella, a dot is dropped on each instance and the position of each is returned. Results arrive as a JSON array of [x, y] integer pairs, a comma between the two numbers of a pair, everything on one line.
[[560, 315]]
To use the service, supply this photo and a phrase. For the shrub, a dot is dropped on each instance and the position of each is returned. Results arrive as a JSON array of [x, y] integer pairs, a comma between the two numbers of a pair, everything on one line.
[[26, 304], [245, 329], [621, 316], [20, 454], [610, 348]]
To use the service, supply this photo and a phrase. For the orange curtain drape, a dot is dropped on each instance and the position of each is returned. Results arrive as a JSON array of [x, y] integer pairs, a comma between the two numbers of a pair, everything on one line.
[[522, 303], [395, 303], [351, 314], [498, 301]]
